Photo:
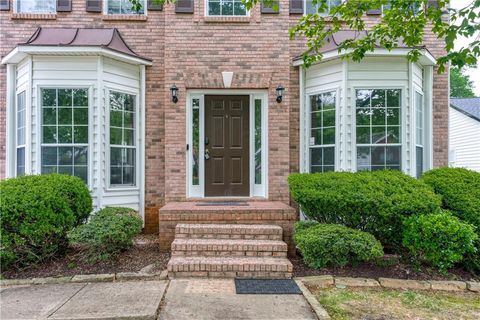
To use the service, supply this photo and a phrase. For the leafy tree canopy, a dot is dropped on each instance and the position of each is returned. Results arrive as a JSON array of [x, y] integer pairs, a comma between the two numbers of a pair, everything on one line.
[[460, 84], [402, 21]]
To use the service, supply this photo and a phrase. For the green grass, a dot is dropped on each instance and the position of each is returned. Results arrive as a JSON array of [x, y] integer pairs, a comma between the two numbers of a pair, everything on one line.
[[358, 303]]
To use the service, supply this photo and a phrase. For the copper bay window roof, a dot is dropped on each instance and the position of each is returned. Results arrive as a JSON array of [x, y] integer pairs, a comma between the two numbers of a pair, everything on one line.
[[108, 39]]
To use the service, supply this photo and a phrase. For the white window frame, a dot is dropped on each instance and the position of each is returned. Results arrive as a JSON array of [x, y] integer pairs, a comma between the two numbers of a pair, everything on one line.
[[423, 128], [89, 143], [137, 139], [16, 2], [105, 10], [17, 145], [247, 14], [403, 141], [256, 190], [324, 14], [308, 128]]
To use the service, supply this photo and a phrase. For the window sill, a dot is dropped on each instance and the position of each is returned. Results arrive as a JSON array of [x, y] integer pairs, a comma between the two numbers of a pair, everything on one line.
[[33, 16], [124, 17], [224, 19]]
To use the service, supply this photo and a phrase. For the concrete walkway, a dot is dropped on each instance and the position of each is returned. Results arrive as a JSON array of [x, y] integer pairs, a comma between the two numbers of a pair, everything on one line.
[[137, 300]]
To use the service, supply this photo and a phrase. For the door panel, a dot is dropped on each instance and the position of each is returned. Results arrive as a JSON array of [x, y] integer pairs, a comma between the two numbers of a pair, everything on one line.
[[227, 141]]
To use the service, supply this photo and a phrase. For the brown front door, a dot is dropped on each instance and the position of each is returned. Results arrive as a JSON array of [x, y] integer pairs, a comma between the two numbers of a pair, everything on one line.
[[227, 146]]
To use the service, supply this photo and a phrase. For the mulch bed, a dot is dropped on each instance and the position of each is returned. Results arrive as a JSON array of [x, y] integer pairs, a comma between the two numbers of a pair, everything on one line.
[[396, 270], [143, 253]]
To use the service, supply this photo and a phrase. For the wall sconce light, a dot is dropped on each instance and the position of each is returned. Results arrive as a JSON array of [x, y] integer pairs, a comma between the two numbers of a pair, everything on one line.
[[280, 91], [174, 91]]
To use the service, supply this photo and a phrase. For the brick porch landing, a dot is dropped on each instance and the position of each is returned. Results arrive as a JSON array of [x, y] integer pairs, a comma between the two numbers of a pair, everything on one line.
[[249, 212]]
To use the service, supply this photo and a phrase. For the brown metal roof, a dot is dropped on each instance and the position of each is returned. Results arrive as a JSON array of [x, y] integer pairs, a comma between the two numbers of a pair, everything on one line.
[[332, 43], [65, 37]]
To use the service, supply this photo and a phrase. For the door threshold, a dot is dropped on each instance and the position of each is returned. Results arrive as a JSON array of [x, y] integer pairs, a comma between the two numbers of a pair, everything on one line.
[[227, 199]]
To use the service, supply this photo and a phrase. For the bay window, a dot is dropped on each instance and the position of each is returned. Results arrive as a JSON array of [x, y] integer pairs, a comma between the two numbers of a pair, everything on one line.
[[322, 132], [226, 8], [123, 145], [20, 134], [35, 6], [123, 7], [378, 129], [65, 131], [419, 132]]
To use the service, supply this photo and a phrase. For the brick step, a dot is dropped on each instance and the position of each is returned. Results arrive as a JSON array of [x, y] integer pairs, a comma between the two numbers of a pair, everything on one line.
[[229, 247], [230, 267], [229, 231]]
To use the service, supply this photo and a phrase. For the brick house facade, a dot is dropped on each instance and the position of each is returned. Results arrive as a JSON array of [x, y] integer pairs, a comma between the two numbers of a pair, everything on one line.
[[194, 51]]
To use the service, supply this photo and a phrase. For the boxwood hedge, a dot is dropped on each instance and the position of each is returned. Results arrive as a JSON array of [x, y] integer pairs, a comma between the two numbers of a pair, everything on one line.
[[376, 202], [36, 212], [324, 245]]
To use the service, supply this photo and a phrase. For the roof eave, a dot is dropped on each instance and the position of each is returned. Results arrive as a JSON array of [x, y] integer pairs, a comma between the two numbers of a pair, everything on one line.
[[425, 59], [21, 51], [465, 112]]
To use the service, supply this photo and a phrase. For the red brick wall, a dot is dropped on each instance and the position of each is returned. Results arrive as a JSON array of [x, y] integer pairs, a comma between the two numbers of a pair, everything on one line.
[[187, 48]]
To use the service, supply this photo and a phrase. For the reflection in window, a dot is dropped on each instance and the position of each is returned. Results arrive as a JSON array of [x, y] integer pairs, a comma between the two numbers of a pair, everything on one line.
[[322, 132], [226, 8], [65, 132], [258, 141], [378, 129], [123, 7], [122, 139], [20, 136], [195, 141], [311, 7], [419, 132], [36, 6]]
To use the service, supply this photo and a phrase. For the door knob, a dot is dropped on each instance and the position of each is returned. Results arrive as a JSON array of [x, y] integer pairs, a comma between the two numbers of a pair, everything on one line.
[[206, 141]]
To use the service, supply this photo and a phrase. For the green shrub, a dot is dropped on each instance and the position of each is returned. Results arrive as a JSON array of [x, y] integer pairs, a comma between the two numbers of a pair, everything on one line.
[[110, 231], [376, 202], [460, 192], [325, 245], [36, 212], [439, 239]]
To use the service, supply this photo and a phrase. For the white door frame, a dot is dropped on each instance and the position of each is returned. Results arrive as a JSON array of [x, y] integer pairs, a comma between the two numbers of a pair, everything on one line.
[[256, 190]]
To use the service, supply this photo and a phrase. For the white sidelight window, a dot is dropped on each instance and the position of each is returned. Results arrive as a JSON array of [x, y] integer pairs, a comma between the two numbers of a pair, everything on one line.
[[322, 132], [419, 132], [378, 129], [225, 8], [35, 6], [122, 7], [123, 142], [311, 7], [65, 131], [20, 115]]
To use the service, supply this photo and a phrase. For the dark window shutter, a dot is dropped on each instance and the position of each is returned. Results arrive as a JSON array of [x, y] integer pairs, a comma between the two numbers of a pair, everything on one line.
[[296, 6], [64, 5], [269, 8], [94, 5], [154, 5], [184, 6], [374, 12], [5, 5]]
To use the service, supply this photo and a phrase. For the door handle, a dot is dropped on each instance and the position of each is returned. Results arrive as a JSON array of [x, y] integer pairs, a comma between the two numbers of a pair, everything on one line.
[[207, 154], [206, 141]]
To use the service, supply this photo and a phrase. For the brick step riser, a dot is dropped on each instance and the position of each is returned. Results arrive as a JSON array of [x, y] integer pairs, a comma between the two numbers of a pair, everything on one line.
[[188, 253], [231, 274], [228, 236]]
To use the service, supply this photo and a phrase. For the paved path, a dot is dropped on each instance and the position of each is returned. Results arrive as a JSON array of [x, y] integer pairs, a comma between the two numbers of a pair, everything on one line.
[[137, 300]]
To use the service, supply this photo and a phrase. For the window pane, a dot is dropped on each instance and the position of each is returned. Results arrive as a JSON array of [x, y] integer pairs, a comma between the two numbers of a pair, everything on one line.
[[65, 134], [81, 172], [329, 156], [49, 116], [316, 119], [65, 115], [36, 6], [49, 134], [393, 116], [116, 136], [214, 8], [363, 98], [122, 7], [328, 100], [258, 141], [115, 156], [80, 156], [363, 135], [80, 116], [379, 135], [128, 121], [116, 175], [128, 137], [317, 137], [239, 9], [20, 161], [393, 134], [329, 118], [393, 98], [316, 102], [49, 156], [392, 155], [227, 8], [65, 170], [378, 116], [378, 98], [363, 116], [316, 156], [80, 97], [49, 97], [419, 158], [116, 118], [329, 136], [195, 141], [65, 156], [65, 97]]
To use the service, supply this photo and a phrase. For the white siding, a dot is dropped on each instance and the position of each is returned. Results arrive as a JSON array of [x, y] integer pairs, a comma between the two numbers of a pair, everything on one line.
[[464, 141]]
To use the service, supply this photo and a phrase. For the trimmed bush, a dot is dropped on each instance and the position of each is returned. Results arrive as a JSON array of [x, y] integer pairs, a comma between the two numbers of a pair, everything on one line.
[[36, 212], [324, 245], [376, 202], [459, 189], [109, 232], [439, 239]]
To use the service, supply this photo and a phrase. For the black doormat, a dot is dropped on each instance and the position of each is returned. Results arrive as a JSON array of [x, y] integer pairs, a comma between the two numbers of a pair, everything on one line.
[[266, 286], [224, 203]]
